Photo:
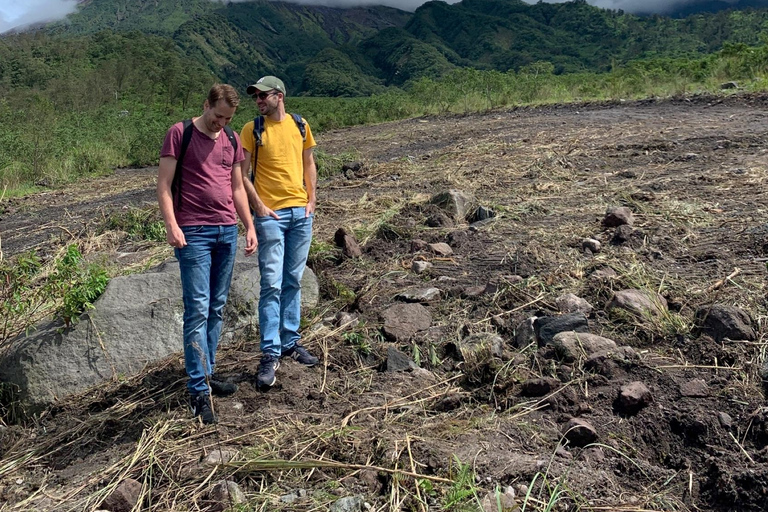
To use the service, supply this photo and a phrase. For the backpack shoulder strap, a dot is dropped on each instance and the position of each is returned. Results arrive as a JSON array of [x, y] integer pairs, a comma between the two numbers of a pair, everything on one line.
[[258, 129], [301, 125], [232, 140], [186, 137]]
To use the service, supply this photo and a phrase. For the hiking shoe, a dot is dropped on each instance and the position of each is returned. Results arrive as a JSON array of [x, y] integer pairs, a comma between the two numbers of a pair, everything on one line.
[[220, 387], [266, 376], [201, 406], [301, 355]]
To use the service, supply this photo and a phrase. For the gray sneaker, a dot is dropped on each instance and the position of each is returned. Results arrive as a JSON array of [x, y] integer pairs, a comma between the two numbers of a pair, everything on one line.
[[266, 376], [301, 355]]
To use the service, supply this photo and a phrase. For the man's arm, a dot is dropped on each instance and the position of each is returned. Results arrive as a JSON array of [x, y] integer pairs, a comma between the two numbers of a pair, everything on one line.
[[241, 205], [165, 174], [254, 200], [310, 179]]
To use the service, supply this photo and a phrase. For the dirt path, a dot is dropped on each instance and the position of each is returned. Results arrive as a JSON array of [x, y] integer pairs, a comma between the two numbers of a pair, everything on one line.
[[694, 174]]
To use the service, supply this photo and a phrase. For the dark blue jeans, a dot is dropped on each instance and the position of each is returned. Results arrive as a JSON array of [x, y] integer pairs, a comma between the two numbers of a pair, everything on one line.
[[206, 264], [283, 250]]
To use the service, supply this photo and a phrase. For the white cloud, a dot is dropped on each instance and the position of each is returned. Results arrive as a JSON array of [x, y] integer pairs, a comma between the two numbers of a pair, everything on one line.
[[19, 13]]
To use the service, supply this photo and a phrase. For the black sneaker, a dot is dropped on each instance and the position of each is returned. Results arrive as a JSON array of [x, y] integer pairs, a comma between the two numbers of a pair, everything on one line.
[[201, 406], [220, 387], [301, 355], [266, 376]]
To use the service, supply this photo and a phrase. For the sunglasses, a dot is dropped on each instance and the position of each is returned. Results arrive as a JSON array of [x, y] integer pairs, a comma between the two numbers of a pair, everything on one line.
[[263, 95]]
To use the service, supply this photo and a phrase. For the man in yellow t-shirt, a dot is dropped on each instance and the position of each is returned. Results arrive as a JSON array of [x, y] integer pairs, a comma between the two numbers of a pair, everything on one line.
[[282, 196]]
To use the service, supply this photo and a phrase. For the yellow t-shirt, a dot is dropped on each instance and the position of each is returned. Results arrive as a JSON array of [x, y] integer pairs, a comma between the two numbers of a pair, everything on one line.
[[279, 171]]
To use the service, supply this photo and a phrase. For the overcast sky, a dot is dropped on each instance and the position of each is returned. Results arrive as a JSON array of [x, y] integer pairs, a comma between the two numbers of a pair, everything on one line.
[[17, 13]]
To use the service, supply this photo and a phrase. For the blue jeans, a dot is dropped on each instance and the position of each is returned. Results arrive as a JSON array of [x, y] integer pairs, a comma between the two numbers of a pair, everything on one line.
[[283, 250], [206, 264]]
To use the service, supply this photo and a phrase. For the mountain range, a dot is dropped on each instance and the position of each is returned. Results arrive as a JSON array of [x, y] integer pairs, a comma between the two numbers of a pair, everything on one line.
[[328, 51]]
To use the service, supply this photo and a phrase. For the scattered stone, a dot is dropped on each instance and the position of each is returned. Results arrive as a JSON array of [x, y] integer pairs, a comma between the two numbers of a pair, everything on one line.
[[217, 457], [346, 240], [638, 302], [618, 215], [633, 397], [579, 432], [224, 494], [397, 361], [289, 498], [525, 333], [540, 387], [419, 266], [695, 388], [603, 274], [419, 295], [402, 321], [352, 166], [343, 319], [478, 291], [348, 504], [441, 249], [455, 202], [418, 244], [498, 501], [571, 346], [570, 303], [725, 419], [125, 497], [721, 321], [477, 347], [622, 234], [591, 245], [548, 326], [481, 213]]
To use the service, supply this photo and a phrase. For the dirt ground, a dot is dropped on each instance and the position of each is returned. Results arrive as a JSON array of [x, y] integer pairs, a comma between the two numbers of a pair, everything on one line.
[[692, 170]]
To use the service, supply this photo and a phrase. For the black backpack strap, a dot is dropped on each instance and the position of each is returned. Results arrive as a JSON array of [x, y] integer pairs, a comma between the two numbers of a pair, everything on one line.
[[302, 126], [258, 129], [176, 184], [233, 141]]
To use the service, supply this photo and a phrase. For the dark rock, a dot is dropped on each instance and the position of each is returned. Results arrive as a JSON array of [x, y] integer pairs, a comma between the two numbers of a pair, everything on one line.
[[418, 245], [695, 388], [725, 419], [480, 214], [540, 387], [622, 234], [721, 321], [547, 327], [397, 361], [402, 321], [125, 497], [525, 333], [618, 215], [579, 432], [633, 397], [225, 494], [346, 240], [729, 85]]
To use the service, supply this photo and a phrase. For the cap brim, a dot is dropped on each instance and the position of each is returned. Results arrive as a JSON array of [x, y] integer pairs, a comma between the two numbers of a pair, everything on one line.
[[252, 89]]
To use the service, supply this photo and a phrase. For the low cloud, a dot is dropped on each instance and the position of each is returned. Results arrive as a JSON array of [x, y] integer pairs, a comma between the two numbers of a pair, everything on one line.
[[18, 14]]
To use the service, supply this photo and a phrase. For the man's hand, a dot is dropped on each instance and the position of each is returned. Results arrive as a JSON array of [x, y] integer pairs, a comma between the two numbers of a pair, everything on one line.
[[175, 237], [251, 242], [262, 211], [311, 204]]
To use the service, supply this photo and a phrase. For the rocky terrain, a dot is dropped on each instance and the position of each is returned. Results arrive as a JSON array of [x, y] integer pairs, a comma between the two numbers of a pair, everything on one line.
[[579, 325]]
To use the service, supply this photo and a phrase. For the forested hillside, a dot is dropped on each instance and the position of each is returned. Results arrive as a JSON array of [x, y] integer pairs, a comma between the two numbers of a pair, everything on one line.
[[325, 51]]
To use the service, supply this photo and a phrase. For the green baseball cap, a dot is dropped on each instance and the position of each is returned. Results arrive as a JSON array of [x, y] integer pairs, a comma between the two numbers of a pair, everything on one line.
[[266, 83]]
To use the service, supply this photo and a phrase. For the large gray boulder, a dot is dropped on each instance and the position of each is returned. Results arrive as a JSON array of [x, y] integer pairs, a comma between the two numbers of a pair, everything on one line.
[[135, 322]]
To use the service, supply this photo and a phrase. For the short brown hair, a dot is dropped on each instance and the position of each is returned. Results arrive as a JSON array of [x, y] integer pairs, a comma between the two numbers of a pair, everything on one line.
[[223, 92]]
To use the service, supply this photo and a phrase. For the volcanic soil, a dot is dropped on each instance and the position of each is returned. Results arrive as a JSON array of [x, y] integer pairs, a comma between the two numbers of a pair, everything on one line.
[[466, 421]]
